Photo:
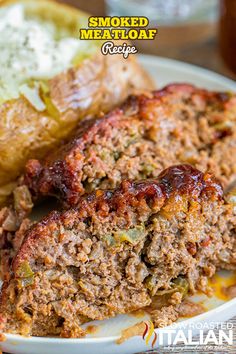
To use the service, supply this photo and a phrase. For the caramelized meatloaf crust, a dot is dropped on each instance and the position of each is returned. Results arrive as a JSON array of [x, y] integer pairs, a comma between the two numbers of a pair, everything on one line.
[[178, 124], [117, 251]]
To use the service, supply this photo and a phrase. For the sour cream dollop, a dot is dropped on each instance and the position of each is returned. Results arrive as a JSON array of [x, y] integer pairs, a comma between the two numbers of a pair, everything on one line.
[[30, 50]]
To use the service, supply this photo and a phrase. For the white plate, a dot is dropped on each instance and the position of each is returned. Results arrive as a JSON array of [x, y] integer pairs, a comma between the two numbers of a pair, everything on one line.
[[165, 71], [103, 341]]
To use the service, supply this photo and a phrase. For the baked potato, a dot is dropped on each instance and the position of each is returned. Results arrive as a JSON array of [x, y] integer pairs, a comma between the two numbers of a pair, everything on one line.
[[43, 96]]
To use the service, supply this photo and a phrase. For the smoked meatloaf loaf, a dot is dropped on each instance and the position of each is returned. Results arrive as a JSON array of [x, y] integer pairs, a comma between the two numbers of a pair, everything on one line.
[[178, 124], [116, 251]]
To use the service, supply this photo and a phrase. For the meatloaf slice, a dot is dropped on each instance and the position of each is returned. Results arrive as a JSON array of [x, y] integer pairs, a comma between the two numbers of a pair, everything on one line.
[[13, 226], [178, 124], [117, 250]]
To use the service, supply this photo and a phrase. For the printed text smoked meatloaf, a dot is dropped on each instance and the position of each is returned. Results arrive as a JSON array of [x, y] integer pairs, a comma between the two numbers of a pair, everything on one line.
[[117, 250], [178, 124]]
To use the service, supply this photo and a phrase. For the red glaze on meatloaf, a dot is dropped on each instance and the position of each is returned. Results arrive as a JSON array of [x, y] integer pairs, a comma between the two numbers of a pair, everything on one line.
[[116, 250], [178, 124]]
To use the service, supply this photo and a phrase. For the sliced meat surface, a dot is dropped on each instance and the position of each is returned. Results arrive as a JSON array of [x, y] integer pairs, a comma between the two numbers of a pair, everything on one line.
[[148, 133], [116, 251]]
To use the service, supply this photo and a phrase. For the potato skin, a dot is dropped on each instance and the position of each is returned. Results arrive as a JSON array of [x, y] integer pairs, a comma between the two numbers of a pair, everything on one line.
[[94, 86]]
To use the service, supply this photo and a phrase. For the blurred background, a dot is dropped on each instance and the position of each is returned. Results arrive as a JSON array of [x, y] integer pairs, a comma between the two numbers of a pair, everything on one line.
[[201, 32]]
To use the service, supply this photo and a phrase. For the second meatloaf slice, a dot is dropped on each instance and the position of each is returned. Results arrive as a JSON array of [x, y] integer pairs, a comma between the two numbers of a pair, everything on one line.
[[116, 250], [179, 124]]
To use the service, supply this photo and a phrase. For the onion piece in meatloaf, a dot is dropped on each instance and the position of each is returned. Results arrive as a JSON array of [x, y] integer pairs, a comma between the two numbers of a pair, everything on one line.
[[148, 133], [116, 251]]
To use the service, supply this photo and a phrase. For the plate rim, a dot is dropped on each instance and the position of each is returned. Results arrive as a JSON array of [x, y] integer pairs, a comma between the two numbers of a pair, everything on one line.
[[164, 61]]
